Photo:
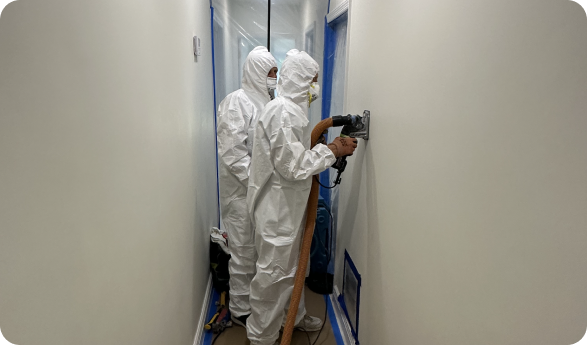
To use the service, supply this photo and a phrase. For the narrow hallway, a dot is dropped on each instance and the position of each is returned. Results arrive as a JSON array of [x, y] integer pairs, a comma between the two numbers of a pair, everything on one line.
[[461, 220]]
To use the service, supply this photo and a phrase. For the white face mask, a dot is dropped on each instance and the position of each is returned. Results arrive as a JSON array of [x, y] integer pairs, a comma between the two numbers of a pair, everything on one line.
[[271, 86], [314, 93], [271, 83]]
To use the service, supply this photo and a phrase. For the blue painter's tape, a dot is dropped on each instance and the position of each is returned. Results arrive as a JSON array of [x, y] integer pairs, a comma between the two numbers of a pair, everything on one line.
[[215, 115], [328, 65], [341, 301]]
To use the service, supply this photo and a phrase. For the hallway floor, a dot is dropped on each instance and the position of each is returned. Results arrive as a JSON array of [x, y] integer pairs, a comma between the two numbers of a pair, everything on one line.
[[315, 306]]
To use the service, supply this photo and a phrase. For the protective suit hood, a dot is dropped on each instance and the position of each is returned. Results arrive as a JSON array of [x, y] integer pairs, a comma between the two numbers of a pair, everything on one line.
[[296, 75], [257, 65]]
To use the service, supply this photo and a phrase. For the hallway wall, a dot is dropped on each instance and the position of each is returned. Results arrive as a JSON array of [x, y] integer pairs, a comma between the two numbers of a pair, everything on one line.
[[465, 212], [107, 174]]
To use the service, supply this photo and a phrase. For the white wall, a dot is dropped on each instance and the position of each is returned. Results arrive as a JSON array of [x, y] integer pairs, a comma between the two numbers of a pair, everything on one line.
[[107, 174], [465, 212]]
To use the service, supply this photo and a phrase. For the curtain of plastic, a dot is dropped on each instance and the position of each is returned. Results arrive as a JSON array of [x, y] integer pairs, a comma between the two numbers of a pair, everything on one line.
[[337, 108], [299, 24], [238, 26], [241, 25]]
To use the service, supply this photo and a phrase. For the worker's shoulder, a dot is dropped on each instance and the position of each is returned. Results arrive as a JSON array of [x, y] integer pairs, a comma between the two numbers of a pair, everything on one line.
[[282, 111], [237, 98], [274, 108]]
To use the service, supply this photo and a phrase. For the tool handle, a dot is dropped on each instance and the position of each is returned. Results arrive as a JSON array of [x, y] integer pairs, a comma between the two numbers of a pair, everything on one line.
[[222, 315], [223, 299], [209, 324]]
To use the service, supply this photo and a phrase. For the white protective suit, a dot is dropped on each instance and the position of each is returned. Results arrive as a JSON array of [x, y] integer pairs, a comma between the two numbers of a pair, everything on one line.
[[279, 185], [237, 116]]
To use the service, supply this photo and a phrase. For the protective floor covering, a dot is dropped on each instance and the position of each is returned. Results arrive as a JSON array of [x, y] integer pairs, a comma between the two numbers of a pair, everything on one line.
[[315, 306]]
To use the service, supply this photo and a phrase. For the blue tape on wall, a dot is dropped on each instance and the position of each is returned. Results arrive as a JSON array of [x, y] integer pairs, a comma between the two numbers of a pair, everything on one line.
[[215, 124], [328, 65], [341, 300]]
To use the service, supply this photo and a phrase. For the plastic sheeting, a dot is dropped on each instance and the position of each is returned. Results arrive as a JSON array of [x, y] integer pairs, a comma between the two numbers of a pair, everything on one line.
[[337, 108], [238, 27], [241, 25]]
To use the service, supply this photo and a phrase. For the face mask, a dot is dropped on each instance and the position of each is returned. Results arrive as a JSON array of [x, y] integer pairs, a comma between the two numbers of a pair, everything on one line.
[[271, 83], [314, 93]]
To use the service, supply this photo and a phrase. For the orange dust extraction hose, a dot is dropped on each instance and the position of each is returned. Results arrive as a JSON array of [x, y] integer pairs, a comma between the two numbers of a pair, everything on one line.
[[311, 212]]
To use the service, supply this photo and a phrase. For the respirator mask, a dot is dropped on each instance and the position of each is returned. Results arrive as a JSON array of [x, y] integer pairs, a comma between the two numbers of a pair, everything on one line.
[[313, 93], [271, 86]]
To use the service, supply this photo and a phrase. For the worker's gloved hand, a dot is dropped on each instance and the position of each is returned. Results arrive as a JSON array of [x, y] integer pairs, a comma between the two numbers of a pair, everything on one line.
[[343, 146]]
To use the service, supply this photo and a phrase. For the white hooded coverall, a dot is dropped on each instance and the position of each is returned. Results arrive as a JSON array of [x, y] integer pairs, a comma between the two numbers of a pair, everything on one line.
[[281, 171], [237, 116]]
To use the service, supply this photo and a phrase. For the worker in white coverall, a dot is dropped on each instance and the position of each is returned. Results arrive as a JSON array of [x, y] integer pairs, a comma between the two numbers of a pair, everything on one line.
[[237, 116], [279, 185]]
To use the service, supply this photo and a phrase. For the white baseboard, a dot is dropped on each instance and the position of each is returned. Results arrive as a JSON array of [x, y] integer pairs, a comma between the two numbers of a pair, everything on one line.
[[204, 313], [343, 323]]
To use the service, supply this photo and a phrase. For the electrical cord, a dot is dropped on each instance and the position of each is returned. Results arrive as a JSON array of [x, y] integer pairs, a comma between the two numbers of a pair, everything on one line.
[[323, 323], [217, 336], [330, 237], [318, 180], [321, 328], [326, 276], [306, 333], [319, 332]]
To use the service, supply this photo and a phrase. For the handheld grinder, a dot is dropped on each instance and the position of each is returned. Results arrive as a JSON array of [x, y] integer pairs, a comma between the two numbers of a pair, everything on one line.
[[354, 126]]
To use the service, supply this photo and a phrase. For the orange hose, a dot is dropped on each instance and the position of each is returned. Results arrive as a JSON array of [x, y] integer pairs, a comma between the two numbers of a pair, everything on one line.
[[311, 212]]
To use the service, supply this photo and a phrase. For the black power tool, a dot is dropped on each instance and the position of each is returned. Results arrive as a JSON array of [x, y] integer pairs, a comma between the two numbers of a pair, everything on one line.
[[354, 126]]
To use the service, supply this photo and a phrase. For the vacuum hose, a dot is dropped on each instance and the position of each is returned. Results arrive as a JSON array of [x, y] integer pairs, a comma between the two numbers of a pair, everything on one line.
[[311, 212]]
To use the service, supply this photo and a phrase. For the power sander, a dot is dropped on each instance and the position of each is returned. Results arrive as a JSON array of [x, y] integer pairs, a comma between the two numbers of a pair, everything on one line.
[[354, 126]]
